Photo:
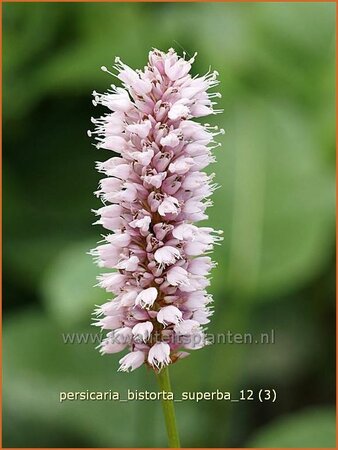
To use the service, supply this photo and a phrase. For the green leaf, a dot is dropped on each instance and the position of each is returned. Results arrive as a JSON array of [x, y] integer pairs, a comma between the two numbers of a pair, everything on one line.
[[68, 285], [314, 428], [276, 205]]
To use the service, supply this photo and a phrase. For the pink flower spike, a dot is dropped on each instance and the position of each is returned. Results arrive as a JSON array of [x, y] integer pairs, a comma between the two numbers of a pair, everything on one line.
[[154, 193]]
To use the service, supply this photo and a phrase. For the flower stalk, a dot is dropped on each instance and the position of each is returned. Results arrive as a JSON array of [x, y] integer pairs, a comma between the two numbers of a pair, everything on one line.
[[168, 409]]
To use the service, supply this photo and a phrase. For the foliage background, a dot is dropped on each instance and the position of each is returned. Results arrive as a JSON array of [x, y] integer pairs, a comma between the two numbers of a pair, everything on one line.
[[276, 206]]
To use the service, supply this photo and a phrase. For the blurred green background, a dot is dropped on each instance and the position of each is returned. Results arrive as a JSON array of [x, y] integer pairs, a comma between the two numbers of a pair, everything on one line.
[[276, 207]]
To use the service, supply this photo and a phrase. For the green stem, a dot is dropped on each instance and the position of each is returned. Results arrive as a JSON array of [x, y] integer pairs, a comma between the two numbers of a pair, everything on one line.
[[168, 409]]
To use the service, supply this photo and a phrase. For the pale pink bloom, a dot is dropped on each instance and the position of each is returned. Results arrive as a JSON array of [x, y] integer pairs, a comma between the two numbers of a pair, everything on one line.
[[116, 102], [109, 186], [177, 276], [142, 331], [158, 356], [121, 336], [202, 315], [141, 129], [201, 265], [111, 211], [197, 300], [171, 140], [155, 179], [181, 165], [115, 143], [178, 111], [176, 68], [112, 282], [143, 157], [185, 232], [129, 264], [142, 224], [107, 347], [167, 255], [196, 283], [108, 309], [128, 298], [119, 239], [169, 314], [187, 327], [146, 298], [154, 194], [121, 171], [109, 322], [138, 314], [169, 205], [197, 340], [110, 165], [131, 361]]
